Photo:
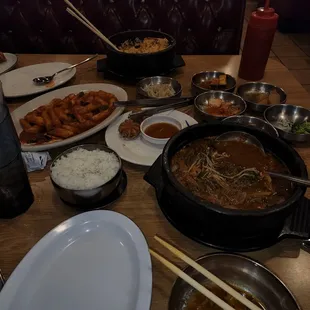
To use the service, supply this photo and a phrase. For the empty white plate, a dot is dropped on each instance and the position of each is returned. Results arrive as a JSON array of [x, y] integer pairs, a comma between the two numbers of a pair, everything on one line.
[[97, 260], [18, 83], [10, 62]]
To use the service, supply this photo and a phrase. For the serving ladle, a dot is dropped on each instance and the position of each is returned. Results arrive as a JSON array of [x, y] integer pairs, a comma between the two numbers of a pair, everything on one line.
[[250, 139], [41, 80]]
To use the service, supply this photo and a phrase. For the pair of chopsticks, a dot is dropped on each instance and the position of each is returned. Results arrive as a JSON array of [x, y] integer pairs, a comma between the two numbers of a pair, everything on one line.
[[179, 102], [81, 18], [204, 272]]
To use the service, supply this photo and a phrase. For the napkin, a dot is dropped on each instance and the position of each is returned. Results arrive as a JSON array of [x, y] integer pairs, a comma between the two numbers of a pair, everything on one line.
[[36, 160]]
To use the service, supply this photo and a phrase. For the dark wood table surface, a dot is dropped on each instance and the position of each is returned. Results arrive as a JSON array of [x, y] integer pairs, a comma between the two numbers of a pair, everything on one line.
[[19, 235]]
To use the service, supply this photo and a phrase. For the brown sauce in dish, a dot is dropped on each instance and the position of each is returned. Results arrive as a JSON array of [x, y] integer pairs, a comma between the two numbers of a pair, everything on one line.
[[231, 174], [197, 301], [161, 130]]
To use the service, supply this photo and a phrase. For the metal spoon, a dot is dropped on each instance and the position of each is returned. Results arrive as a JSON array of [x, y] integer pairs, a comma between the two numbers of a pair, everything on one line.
[[46, 79], [139, 116], [247, 138], [240, 136], [156, 102]]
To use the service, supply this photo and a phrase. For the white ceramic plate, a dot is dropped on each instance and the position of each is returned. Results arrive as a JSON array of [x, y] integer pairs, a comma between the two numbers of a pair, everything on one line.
[[10, 62], [139, 151], [97, 260], [18, 83], [61, 93]]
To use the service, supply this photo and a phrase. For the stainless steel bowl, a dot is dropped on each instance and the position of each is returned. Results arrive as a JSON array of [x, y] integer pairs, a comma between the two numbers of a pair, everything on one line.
[[158, 80], [241, 272], [254, 122], [202, 101], [288, 113], [208, 75], [89, 196], [259, 87]]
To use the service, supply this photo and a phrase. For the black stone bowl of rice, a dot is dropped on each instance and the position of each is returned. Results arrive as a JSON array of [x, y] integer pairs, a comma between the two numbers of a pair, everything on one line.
[[86, 174]]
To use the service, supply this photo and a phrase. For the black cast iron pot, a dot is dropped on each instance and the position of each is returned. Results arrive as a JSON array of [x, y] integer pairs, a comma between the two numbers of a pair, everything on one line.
[[221, 227], [140, 64]]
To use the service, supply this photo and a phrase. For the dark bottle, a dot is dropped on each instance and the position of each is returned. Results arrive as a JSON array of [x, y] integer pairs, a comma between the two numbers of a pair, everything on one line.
[[258, 41], [15, 192]]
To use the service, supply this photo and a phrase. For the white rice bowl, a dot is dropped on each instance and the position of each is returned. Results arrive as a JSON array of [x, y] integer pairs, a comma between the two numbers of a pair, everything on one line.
[[84, 169]]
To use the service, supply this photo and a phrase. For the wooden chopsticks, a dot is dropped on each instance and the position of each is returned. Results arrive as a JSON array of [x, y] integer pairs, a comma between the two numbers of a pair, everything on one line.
[[203, 271], [192, 282], [81, 18]]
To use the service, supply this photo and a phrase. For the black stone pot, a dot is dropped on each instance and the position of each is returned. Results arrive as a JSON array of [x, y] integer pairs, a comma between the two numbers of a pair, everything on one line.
[[140, 64], [210, 223]]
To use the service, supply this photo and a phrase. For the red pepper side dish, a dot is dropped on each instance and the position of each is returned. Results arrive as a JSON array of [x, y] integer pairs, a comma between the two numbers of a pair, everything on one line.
[[219, 107]]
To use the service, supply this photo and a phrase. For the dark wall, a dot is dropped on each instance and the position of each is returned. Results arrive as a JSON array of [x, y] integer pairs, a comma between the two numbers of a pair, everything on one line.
[[43, 26]]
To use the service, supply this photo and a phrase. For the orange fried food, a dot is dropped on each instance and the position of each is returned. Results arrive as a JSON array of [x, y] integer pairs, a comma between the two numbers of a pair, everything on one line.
[[67, 117], [129, 129], [47, 120], [35, 117], [35, 129], [55, 120], [61, 133], [63, 114], [75, 130], [25, 125]]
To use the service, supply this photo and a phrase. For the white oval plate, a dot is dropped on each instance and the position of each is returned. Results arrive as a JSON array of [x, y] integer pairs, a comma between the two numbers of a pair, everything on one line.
[[18, 83], [10, 62], [97, 260], [61, 93], [139, 151]]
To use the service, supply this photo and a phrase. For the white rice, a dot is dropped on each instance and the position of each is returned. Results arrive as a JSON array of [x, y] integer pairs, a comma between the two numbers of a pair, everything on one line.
[[83, 169]]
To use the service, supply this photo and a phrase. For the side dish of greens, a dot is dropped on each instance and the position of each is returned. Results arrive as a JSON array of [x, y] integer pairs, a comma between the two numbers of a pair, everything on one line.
[[300, 129], [303, 128]]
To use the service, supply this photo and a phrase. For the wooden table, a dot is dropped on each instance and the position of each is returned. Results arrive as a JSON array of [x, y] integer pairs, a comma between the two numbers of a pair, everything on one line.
[[18, 236]]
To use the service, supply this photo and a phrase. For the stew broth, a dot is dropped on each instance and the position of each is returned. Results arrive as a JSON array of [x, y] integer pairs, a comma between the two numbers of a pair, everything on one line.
[[197, 301], [231, 174]]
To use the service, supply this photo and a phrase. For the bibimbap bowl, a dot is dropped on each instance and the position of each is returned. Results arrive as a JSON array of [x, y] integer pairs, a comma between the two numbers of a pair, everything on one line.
[[146, 64]]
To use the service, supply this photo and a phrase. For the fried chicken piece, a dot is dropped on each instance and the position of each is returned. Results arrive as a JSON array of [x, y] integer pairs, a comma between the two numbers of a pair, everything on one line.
[[47, 120], [129, 129], [61, 133], [34, 117], [25, 125]]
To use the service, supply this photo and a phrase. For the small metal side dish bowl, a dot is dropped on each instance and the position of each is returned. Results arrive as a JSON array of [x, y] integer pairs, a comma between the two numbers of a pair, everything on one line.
[[253, 122], [240, 272], [155, 120], [289, 113], [89, 196], [261, 87], [208, 75], [203, 100], [158, 80]]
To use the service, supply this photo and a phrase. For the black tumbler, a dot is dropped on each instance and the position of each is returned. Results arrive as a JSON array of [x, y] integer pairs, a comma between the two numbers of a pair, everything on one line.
[[15, 192]]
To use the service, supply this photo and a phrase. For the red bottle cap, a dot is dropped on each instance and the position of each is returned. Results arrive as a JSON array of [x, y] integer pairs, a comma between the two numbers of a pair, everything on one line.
[[265, 12], [264, 17]]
